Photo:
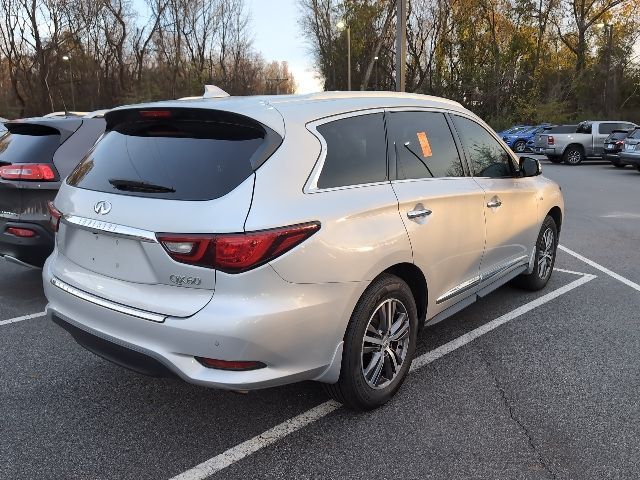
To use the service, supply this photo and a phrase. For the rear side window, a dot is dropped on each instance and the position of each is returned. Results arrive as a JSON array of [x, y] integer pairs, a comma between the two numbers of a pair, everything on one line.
[[423, 145], [28, 144], [486, 156], [183, 156], [618, 135], [562, 129], [356, 151], [585, 128], [607, 128], [635, 134]]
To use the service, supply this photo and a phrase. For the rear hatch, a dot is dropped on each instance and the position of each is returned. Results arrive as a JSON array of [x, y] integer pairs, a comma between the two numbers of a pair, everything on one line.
[[157, 173], [632, 142], [614, 142], [26, 163]]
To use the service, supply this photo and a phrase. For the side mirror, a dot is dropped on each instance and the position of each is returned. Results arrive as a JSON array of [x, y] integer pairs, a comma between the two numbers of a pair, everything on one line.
[[530, 167]]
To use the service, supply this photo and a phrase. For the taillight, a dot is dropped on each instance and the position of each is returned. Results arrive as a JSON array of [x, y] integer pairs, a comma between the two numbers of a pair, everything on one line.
[[620, 142], [551, 140], [28, 171], [238, 366], [55, 216], [235, 252], [21, 232], [155, 113]]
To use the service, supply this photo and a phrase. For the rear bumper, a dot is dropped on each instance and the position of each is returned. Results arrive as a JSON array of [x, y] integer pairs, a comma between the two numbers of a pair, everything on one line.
[[30, 250], [630, 158], [612, 156], [296, 330], [548, 151]]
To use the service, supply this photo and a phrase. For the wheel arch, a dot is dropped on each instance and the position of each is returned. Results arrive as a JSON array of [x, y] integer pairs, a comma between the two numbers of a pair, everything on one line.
[[579, 146], [417, 282], [556, 214]]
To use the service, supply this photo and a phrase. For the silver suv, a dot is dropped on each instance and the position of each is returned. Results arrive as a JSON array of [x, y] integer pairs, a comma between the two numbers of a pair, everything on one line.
[[244, 243]]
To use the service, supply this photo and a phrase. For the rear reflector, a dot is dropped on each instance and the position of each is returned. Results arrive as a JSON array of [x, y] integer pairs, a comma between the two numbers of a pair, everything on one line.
[[55, 216], [238, 366], [235, 252], [21, 232], [28, 171]]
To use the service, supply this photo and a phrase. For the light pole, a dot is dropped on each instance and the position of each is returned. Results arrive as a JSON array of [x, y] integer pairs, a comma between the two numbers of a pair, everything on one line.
[[375, 59], [342, 26], [608, 31], [66, 58], [401, 45]]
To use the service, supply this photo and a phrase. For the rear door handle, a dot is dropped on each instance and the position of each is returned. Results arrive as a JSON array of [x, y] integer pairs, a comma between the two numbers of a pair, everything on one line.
[[494, 203], [418, 213]]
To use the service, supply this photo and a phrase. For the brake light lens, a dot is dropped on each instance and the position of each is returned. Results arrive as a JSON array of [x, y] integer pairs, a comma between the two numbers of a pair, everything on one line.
[[236, 252], [620, 142], [155, 113], [21, 232], [28, 171], [551, 140], [55, 216], [238, 366]]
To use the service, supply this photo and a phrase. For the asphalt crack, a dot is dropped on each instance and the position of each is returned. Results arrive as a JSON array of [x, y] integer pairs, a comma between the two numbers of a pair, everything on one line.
[[509, 406]]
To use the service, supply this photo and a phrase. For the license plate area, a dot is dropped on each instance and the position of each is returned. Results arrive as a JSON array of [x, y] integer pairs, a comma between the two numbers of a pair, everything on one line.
[[109, 255]]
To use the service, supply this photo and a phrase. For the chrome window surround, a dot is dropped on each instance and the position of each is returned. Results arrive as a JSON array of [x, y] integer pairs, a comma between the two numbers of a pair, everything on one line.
[[110, 228], [101, 302]]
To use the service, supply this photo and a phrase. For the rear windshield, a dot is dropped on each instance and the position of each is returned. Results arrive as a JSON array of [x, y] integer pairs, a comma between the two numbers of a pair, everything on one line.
[[635, 134], [28, 144], [562, 129], [618, 135], [180, 157]]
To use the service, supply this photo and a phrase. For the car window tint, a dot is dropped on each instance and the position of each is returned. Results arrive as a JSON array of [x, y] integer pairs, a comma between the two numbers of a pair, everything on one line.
[[193, 159], [423, 145], [486, 156], [36, 145], [356, 151], [607, 128], [635, 134]]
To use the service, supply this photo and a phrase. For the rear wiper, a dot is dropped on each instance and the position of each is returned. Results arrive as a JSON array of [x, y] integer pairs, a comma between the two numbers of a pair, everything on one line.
[[136, 186]]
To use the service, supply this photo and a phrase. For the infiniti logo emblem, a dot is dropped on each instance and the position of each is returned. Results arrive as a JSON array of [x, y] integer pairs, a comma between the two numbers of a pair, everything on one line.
[[102, 207]]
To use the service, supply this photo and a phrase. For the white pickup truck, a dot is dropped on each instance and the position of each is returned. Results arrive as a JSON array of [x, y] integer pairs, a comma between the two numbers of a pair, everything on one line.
[[586, 142]]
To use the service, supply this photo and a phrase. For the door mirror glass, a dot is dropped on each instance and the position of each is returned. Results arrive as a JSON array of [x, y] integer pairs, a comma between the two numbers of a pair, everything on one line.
[[530, 167]]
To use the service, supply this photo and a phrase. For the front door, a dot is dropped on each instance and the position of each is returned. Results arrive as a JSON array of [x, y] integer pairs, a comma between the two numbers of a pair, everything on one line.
[[510, 203]]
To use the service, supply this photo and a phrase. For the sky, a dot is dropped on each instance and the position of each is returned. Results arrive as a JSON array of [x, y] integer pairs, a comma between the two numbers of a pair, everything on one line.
[[276, 34]]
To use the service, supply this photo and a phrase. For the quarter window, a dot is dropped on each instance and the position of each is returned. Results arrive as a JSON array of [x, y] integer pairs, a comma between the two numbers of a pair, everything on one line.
[[356, 151], [486, 156], [423, 145]]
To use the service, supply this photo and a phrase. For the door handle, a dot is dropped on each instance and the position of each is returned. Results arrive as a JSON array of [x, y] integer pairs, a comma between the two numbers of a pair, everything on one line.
[[418, 212], [494, 203]]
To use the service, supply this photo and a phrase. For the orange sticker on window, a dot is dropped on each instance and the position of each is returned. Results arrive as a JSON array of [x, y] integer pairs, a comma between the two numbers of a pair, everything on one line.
[[424, 144]]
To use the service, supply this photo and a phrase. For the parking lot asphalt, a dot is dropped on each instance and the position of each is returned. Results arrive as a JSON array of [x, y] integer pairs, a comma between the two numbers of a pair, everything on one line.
[[521, 385]]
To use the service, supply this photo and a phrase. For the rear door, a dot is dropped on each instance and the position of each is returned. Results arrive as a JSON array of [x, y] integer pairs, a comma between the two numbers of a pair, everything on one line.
[[440, 205], [510, 203], [176, 172]]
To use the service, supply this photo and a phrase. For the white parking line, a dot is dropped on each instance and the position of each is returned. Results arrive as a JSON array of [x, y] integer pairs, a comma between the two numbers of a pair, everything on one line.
[[20, 319], [243, 450], [620, 278]]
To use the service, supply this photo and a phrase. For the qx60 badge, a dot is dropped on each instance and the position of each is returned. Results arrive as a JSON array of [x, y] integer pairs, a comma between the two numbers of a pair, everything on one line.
[[102, 207], [184, 281]]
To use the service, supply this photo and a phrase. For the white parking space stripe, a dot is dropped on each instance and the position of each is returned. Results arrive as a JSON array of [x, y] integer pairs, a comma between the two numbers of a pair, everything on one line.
[[20, 319], [620, 278], [237, 453], [564, 270]]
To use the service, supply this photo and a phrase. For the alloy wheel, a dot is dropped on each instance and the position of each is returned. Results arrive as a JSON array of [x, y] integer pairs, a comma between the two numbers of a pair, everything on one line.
[[546, 251], [385, 343], [574, 156]]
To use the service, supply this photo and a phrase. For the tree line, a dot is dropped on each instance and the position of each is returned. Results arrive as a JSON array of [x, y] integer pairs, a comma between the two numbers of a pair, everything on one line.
[[91, 54], [508, 60]]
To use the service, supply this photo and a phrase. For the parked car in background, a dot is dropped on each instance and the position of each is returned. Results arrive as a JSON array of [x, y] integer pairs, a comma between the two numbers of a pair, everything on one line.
[[513, 129], [538, 145], [3, 129], [630, 153], [587, 142], [613, 145], [517, 140], [36, 154], [182, 252]]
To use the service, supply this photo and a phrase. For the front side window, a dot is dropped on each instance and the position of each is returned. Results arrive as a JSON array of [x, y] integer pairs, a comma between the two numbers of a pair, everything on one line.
[[486, 156], [356, 151], [423, 145]]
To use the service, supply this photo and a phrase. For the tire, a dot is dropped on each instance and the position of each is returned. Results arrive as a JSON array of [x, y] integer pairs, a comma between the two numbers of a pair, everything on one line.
[[617, 164], [573, 155], [520, 146], [538, 279], [555, 159], [358, 387]]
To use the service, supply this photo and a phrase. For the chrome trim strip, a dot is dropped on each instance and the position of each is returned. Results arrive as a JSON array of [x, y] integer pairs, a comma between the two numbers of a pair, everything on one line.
[[110, 228], [463, 287], [134, 312], [502, 268]]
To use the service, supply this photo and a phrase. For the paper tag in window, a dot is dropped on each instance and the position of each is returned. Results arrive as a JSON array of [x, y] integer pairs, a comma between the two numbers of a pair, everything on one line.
[[424, 144]]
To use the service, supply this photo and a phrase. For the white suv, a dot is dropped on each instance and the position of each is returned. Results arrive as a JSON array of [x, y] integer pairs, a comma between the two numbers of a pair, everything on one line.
[[243, 243]]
